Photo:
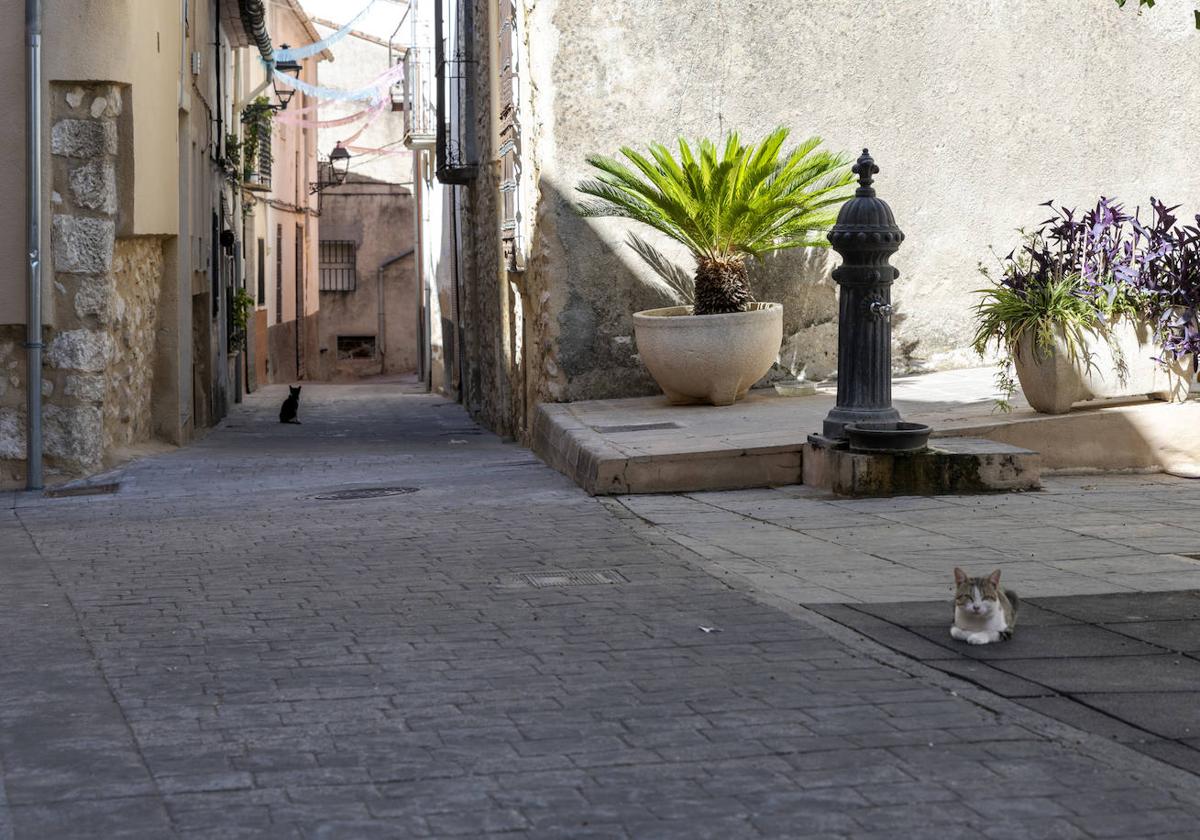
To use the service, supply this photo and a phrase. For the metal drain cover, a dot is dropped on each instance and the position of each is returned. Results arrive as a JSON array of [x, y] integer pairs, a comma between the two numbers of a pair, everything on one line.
[[364, 493], [581, 577], [82, 490]]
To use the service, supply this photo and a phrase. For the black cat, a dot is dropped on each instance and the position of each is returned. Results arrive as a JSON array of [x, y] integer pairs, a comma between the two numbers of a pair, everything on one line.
[[291, 406]]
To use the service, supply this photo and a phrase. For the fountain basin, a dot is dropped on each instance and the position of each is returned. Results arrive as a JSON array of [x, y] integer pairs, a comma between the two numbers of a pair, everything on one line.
[[890, 437]]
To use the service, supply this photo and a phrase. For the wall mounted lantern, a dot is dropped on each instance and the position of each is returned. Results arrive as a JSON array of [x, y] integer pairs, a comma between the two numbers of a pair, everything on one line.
[[285, 92], [332, 172], [339, 164]]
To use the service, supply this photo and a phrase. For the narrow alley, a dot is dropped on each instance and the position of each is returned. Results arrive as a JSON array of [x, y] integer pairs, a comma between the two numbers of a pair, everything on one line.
[[236, 643]]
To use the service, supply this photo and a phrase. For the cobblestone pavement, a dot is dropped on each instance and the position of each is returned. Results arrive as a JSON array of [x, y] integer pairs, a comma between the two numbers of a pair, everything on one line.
[[1079, 536], [214, 652]]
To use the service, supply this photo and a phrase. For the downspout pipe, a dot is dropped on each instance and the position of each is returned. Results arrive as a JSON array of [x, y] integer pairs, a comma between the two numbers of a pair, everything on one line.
[[33, 174]]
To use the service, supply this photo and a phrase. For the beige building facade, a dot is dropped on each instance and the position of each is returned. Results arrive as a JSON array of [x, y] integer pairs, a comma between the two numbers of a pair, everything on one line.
[[281, 218]]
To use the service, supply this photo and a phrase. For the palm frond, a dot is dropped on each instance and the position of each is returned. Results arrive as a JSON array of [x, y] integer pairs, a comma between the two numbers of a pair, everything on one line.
[[679, 282], [724, 201]]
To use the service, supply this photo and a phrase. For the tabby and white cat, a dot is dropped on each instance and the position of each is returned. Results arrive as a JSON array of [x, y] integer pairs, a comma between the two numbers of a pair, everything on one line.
[[984, 612]]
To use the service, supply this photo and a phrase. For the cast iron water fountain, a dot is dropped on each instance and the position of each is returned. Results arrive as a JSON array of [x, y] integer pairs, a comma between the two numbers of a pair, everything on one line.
[[865, 236]]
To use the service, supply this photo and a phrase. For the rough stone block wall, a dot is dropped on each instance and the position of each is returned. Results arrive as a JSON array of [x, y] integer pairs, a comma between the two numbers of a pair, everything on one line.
[[136, 280], [103, 301], [12, 404]]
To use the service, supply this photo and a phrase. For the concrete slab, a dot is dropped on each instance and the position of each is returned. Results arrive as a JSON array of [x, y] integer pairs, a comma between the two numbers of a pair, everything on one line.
[[646, 445], [1182, 636], [1134, 607], [1085, 675], [1168, 714]]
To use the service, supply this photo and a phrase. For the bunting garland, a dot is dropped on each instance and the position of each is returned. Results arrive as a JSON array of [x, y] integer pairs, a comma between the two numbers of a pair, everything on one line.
[[309, 50]]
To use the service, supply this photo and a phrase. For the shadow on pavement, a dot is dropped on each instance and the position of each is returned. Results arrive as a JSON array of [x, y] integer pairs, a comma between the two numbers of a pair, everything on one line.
[[1125, 666]]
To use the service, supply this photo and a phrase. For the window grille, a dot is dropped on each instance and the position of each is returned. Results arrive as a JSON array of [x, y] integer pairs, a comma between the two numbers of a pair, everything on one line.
[[337, 265]]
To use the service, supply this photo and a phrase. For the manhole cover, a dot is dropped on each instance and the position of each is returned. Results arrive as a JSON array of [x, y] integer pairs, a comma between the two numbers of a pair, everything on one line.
[[635, 427], [364, 493], [82, 490], [583, 577]]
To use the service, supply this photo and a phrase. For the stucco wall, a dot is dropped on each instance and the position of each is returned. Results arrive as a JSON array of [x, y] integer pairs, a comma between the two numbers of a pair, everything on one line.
[[976, 113], [377, 218], [132, 42]]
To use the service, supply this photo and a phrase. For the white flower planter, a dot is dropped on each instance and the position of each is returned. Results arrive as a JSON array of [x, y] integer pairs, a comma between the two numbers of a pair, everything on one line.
[[708, 358], [1118, 362]]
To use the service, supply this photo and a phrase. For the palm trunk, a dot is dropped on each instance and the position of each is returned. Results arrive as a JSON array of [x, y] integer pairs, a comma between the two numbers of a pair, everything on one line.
[[722, 286]]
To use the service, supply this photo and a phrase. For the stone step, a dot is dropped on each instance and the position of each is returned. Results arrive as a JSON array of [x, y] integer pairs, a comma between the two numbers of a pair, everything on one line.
[[949, 465]]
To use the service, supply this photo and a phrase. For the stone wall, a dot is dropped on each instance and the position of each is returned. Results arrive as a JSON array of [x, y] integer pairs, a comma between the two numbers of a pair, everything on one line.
[[12, 404], [103, 308], [129, 378]]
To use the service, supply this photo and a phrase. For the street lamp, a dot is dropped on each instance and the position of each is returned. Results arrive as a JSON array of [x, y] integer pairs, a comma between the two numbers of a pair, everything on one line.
[[332, 172], [284, 92], [339, 164]]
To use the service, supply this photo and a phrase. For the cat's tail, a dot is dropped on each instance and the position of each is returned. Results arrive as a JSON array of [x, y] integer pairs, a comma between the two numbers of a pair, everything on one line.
[[1013, 599]]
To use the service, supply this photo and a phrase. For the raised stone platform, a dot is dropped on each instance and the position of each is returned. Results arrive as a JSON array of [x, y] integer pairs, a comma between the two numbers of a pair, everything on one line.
[[646, 445], [949, 465]]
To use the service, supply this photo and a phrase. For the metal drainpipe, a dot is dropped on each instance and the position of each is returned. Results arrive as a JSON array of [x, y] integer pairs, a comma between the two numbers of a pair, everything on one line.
[[33, 335]]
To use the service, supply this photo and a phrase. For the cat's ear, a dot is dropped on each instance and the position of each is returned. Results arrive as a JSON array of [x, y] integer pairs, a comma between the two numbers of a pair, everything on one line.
[[994, 577], [960, 577]]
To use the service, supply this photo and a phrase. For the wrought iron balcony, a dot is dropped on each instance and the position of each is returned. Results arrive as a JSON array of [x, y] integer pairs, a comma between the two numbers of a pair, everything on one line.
[[418, 99]]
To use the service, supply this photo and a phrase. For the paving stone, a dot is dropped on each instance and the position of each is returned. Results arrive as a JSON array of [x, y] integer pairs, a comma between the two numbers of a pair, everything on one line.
[[1172, 634], [1133, 607], [1107, 673], [1165, 713], [982, 674], [1077, 714]]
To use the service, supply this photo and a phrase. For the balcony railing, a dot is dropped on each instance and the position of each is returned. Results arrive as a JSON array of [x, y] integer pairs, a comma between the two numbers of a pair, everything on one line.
[[418, 99]]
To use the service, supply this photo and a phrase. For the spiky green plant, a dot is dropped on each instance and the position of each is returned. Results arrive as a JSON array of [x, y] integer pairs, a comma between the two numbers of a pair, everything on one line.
[[723, 205], [1040, 310]]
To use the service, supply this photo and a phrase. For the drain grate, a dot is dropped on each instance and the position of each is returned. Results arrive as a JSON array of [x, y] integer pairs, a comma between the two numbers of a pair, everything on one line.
[[82, 490], [579, 577], [635, 427], [364, 493]]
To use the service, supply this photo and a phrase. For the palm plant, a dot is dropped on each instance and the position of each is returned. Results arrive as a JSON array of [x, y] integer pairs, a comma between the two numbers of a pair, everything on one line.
[[744, 201]]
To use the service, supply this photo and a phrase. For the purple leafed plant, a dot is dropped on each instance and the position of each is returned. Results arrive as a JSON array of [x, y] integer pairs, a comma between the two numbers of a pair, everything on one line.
[[1166, 275], [1122, 265]]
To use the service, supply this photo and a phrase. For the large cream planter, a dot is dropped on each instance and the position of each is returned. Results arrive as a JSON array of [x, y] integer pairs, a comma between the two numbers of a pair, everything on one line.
[[1120, 363], [708, 358]]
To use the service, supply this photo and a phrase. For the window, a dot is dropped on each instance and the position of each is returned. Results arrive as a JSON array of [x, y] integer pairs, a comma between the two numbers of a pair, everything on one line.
[[337, 265], [262, 273], [356, 347]]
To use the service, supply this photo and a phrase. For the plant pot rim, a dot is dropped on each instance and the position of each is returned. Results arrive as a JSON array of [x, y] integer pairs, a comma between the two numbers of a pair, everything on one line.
[[682, 315]]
